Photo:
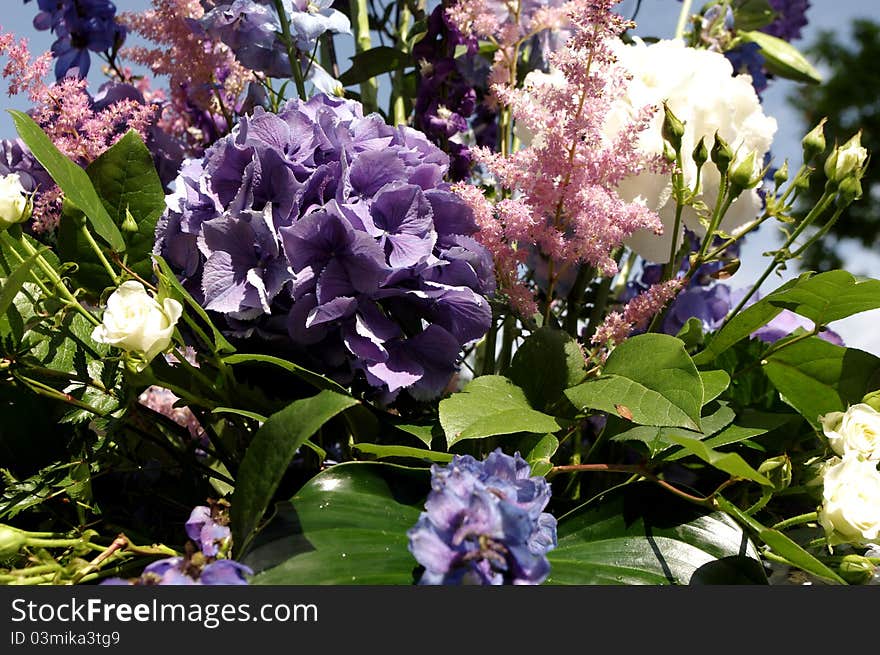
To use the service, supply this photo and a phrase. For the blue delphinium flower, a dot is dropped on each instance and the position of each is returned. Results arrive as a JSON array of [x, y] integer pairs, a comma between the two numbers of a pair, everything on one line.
[[81, 27], [334, 236], [484, 523]]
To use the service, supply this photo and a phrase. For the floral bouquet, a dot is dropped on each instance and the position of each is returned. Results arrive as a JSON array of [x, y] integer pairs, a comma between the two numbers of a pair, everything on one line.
[[401, 293]]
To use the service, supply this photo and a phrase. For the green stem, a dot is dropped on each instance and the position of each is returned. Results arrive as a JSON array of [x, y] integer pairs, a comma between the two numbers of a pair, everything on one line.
[[489, 344], [508, 333], [94, 246], [360, 23], [683, 16], [398, 106], [796, 520], [292, 52]]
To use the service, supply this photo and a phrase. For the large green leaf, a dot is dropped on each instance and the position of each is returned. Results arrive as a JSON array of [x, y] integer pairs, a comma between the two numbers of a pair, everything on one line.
[[348, 526], [730, 463], [829, 296], [490, 405], [781, 58], [641, 535], [13, 284], [271, 452], [648, 379], [375, 61], [816, 377], [545, 365], [72, 179]]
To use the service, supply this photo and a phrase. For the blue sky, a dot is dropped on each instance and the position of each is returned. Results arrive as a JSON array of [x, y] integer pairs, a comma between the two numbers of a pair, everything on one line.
[[655, 18]]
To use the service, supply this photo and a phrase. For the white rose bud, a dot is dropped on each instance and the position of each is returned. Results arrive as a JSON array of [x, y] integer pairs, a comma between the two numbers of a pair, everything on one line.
[[135, 321], [846, 160], [13, 201], [850, 511], [854, 432]]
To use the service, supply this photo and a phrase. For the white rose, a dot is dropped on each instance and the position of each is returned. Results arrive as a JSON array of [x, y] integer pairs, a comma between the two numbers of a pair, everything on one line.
[[701, 90], [854, 432], [135, 321], [850, 511], [13, 201]]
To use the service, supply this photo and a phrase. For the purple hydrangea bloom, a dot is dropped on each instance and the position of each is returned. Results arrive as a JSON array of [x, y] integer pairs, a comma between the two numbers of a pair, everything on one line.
[[484, 523], [334, 236], [16, 157], [710, 305], [82, 26]]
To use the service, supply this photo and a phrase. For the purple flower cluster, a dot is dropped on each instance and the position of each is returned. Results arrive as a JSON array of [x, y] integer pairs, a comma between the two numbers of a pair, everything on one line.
[[334, 235], [81, 26], [253, 30], [790, 20], [16, 157], [444, 98], [484, 524], [208, 528]]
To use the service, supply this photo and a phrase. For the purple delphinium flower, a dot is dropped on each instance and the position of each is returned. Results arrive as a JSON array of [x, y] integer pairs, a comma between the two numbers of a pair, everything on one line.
[[333, 236], [81, 26], [484, 523], [191, 570], [208, 527], [15, 157], [790, 20]]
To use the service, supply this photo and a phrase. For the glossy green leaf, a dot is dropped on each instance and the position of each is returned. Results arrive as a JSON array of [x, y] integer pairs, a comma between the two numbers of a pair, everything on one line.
[[641, 535], [72, 179], [752, 14], [714, 384], [13, 284], [648, 379], [537, 450], [816, 377], [782, 58], [730, 463], [490, 405], [375, 61], [348, 525], [315, 379], [547, 363], [271, 452], [381, 451]]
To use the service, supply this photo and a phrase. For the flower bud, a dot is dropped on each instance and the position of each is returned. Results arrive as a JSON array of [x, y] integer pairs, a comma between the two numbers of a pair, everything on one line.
[[14, 205], [721, 154], [701, 153], [850, 189], [777, 470], [872, 400], [856, 569], [11, 540], [846, 161], [780, 177], [135, 321], [814, 142], [673, 129], [129, 224], [743, 176]]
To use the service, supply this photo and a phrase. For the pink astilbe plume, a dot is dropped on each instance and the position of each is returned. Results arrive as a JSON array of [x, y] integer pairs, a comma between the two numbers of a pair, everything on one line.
[[561, 190], [635, 316], [204, 75], [23, 73]]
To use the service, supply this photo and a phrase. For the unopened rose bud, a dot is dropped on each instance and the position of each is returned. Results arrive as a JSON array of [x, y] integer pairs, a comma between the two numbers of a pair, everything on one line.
[[743, 175], [780, 177], [673, 129], [129, 224], [814, 142], [856, 569], [777, 470], [848, 191], [701, 153], [14, 205], [721, 154], [846, 161], [11, 540], [873, 400]]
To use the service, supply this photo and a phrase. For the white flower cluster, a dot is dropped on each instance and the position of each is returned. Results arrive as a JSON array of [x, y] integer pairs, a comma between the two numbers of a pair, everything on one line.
[[850, 511], [699, 87]]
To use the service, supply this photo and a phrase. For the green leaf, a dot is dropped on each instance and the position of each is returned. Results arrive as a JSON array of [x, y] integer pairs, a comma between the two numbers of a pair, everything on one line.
[[269, 455], [648, 379], [752, 14], [730, 463], [13, 284], [748, 425], [714, 384], [640, 535], [126, 181], [537, 451], [782, 58], [72, 179], [830, 296], [380, 451], [424, 433], [375, 61], [547, 363], [490, 405], [816, 377], [315, 379], [348, 526]]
